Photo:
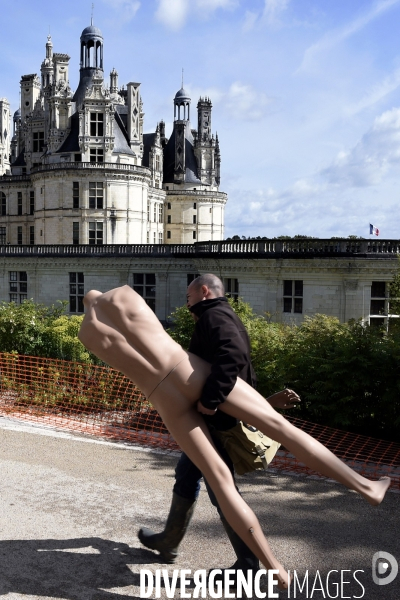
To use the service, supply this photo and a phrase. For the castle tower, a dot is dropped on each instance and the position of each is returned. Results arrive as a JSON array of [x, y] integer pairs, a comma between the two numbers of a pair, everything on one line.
[[205, 144], [90, 62], [135, 118], [46, 69], [113, 82], [5, 137], [30, 91], [15, 141], [195, 206], [204, 107], [181, 126]]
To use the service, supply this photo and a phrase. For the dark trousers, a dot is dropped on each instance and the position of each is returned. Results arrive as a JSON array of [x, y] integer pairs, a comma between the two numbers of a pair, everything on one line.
[[188, 477]]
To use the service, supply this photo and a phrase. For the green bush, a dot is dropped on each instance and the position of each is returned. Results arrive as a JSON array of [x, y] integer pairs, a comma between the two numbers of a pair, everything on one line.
[[38, 330], [347, 375]]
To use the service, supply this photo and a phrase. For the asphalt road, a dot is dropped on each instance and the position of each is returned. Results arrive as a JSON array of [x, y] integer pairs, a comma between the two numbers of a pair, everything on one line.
[[71, 506]]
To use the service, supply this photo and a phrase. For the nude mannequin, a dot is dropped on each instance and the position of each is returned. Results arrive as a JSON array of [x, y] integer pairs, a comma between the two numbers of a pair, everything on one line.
[[124, 332]]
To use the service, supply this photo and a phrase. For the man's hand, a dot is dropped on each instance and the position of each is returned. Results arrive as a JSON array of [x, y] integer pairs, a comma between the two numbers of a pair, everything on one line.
[[284, 399], [205, 411]]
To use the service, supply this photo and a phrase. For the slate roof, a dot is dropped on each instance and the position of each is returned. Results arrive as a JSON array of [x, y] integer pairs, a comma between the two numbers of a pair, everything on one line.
[[71, 143], [20, 160], [148, 142], [191, 175], [121, 144]]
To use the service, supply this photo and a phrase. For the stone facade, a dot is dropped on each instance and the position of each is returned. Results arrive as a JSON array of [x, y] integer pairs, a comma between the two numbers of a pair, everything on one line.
[[80, 170], [287, 282]]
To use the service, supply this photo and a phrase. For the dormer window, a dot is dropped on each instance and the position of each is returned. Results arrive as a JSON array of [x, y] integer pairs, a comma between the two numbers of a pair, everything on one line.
[[96, 124], [96, 155], [38, 141]]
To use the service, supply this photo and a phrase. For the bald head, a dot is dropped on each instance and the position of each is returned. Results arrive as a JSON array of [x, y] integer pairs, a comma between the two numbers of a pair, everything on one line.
[[204, 287]]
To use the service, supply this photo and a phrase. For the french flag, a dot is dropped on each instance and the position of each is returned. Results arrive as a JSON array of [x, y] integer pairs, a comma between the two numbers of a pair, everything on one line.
[[373, 230]]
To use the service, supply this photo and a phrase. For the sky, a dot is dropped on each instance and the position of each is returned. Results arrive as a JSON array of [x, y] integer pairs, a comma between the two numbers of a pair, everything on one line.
[[305, 94]]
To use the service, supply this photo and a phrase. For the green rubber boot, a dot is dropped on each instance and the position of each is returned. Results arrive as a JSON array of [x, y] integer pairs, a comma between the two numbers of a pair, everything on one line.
[[167, 542], [245, 558]]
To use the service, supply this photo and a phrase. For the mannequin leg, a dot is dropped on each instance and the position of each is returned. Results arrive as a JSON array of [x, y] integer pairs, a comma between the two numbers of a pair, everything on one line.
[[189, 430], [246, 404]]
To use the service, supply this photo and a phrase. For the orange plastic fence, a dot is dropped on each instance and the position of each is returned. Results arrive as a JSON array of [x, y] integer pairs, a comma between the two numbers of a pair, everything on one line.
[[100, 401]]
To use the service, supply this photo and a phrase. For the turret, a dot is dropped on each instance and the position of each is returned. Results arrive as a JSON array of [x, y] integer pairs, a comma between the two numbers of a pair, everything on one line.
[[46, 70], [204, 107], [30, 90], [91, 60]]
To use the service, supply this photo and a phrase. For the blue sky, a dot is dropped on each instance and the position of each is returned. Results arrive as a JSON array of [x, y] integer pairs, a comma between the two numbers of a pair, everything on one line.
[[305, 93]]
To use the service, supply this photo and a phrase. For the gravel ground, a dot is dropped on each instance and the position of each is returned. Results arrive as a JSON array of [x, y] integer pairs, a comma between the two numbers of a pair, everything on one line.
[[71, 506]]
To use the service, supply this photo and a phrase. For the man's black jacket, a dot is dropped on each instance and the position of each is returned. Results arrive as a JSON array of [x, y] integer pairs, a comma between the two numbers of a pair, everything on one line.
[[221, 339]]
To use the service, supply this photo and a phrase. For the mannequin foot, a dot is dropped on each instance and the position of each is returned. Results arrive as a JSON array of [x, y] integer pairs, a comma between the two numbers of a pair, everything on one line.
[[377, 491]]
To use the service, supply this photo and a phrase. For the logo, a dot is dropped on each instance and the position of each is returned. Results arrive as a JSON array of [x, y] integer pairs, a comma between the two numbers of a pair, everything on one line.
[[384, 568]]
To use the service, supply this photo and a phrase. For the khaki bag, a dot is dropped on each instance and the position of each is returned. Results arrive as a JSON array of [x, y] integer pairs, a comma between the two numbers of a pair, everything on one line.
[[247, 447]]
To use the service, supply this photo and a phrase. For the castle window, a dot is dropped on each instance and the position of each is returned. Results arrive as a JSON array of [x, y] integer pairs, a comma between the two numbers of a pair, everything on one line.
[[19, 203], [293, 296], [96, 124], [96, 194], [160, 213], [194, 205], [3, 204], [169, 205], [379, 304], [96, 233], [75, 233], [144, 284], [19, 236], [3, 236], [231, 287], [168, 235], [155, 212], [154, 237], [157, 162], [76, 292], [18, 286], [194, 219], [38, 141], [31, 202], [194, 235], [160, 238], [169, 219], [32, 235], [96, 155], [75, 194]]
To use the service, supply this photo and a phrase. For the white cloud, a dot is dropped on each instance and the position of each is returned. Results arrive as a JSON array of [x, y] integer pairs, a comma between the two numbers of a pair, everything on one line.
[[377, 93], [174, 13], [244, 102], [241, 101], [211, 5], [127, 9], [250, 19], [273, 9], [270, 14], [372, 158], [336, 36]]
